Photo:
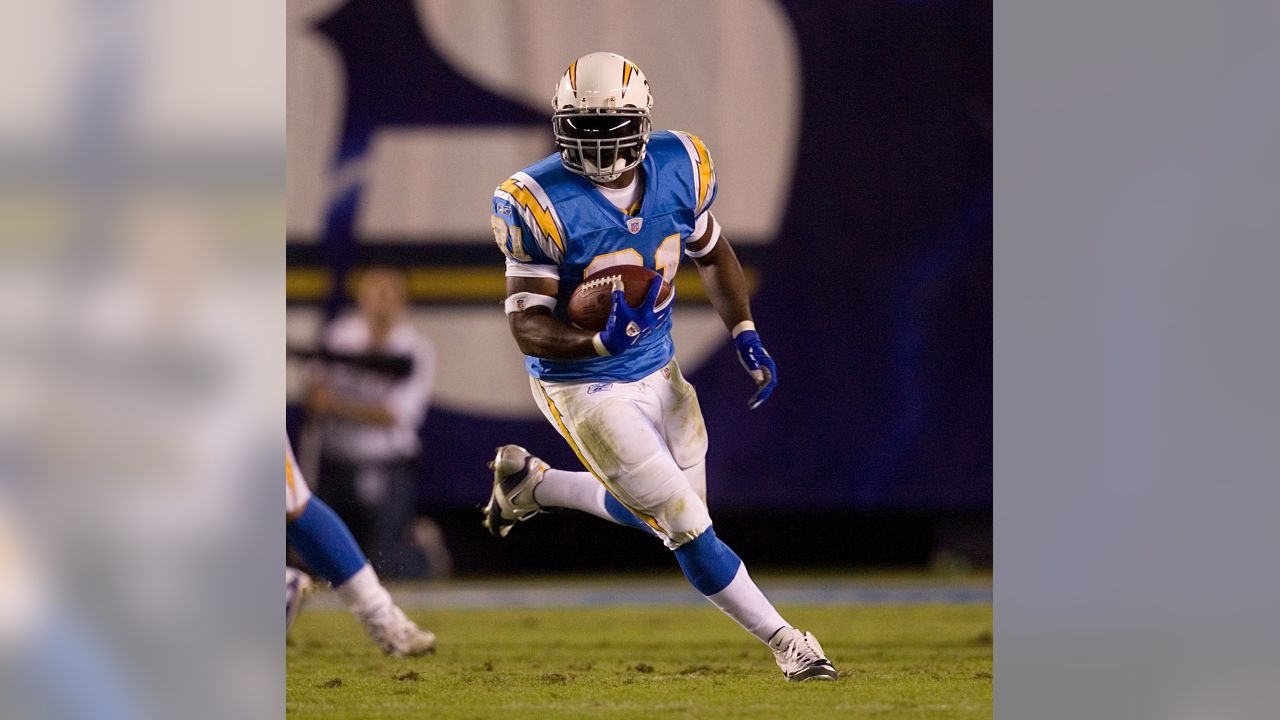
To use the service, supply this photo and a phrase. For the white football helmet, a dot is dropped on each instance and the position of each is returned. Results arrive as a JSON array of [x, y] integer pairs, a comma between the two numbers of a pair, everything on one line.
[[601, 120]]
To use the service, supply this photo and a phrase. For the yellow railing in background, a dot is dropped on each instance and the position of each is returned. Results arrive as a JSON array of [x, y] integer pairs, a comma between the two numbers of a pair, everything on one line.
[[480, 283]]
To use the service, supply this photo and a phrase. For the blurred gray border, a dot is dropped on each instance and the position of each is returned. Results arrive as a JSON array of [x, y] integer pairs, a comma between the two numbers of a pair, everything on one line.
[[1137, 404]]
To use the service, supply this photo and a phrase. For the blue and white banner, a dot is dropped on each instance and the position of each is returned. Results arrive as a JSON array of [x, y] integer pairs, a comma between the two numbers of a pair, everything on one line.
[[853, 155]]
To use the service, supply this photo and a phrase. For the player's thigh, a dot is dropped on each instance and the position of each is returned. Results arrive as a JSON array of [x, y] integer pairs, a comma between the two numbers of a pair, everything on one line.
[[682, 425], [696, 476], [638, 468], [615, 433], [618, 434]]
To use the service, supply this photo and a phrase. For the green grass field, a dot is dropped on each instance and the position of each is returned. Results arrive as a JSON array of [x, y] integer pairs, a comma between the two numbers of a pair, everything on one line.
[[897, 661]]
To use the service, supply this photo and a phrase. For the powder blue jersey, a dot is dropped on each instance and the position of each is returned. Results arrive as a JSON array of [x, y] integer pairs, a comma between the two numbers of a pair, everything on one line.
[[552, 223]]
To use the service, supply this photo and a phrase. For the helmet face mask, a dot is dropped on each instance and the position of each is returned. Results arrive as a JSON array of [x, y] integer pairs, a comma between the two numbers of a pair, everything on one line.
[[601, 116], [601, 144]]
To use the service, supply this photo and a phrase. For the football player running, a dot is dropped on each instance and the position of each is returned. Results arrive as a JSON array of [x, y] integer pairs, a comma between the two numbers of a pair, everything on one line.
[[615, 193], [317, 533]]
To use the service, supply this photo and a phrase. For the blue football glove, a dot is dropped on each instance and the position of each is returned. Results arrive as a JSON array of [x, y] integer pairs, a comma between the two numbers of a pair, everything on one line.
[[627, 325], [756, 360]]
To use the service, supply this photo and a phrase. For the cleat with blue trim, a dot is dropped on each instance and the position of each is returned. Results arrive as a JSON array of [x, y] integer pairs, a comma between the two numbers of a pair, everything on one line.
[[800, 656], [515, 475]]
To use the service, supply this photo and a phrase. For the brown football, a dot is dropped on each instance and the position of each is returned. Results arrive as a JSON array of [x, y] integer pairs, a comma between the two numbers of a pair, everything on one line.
[[589, 305]]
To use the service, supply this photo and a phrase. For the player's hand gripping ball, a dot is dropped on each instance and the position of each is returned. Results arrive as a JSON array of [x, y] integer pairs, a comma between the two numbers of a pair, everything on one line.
[[592, 301], [634, 302]]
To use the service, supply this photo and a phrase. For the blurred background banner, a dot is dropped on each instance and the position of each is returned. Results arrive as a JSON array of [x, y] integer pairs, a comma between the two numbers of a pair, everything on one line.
[[853, 149]]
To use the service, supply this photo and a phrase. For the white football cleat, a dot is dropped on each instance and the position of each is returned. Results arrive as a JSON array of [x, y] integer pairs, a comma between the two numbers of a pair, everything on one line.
[[398, 635], [800, 656], [297, 586], [515, 474]]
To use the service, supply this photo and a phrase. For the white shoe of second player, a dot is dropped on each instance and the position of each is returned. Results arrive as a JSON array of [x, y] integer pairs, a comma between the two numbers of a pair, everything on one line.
[[800, 656], [297, 586], [515, 474], [398, 635]]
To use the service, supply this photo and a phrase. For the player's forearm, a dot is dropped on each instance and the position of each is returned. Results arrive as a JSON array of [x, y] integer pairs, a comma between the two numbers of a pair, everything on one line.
[[726, 285], [539, 334]]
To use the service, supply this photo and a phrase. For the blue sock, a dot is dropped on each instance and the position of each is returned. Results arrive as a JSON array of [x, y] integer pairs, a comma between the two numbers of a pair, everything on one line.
[[622, 515], [708, 563], [324, 541]]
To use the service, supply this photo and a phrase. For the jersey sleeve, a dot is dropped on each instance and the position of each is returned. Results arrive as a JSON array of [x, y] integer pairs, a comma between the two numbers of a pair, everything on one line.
[[526, 229], [704, 173]]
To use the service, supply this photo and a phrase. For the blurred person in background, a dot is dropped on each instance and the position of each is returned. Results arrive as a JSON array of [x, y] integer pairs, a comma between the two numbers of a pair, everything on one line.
[[367, 401]]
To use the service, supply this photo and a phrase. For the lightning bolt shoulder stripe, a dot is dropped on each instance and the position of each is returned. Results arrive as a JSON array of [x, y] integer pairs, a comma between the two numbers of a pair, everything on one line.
[[537, 212], [704, 170]]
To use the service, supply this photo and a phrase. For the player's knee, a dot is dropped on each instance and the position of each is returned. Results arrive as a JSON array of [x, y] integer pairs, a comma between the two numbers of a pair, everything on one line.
[[684, 517], [709, 564]]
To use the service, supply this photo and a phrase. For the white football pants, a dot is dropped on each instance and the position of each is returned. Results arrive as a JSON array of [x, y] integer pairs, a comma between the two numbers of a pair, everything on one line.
[[645, 440]]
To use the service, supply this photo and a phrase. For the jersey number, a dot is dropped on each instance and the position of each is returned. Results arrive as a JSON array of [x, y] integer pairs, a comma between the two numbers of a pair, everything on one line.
[[666, 259], [513, 249]]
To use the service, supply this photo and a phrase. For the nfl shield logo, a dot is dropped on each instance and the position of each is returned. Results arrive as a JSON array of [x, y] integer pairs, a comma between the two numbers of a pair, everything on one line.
[[633, 224]]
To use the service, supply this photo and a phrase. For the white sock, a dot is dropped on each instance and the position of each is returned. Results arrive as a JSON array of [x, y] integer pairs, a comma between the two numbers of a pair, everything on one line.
[[573, 490], [364, 594], [743, 601]]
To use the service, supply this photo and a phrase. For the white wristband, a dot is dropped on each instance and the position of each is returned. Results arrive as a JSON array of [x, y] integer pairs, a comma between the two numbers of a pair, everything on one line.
[[521, 301], [742, 327], [601, 350]]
